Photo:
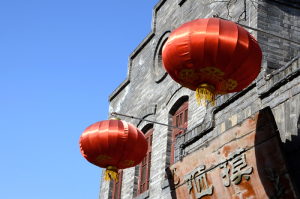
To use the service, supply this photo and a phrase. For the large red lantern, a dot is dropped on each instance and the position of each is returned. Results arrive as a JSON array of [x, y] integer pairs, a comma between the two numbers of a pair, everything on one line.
[[212, 57], [113, 144]]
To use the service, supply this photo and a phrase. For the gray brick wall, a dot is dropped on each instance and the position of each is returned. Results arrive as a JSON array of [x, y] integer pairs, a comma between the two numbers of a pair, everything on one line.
[[279, 18], [148, 92]]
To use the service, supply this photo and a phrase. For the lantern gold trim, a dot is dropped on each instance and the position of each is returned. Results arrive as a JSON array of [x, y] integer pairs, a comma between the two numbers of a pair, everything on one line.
[[206, 92], [111, 173]]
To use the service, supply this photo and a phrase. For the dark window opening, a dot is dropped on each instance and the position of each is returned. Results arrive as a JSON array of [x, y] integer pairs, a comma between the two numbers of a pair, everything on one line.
[[145, 166], [180, 119], [118, 186]]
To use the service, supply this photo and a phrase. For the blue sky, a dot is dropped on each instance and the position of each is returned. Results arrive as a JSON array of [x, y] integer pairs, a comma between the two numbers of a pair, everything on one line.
[[59, 61]]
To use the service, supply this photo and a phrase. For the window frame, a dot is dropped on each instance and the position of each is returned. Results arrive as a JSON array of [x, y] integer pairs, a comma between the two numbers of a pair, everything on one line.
[[146, 162], [182, 112], [120, 172]]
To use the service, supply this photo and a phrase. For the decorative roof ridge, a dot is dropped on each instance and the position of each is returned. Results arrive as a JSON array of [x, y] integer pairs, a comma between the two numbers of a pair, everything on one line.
[[136, 51]]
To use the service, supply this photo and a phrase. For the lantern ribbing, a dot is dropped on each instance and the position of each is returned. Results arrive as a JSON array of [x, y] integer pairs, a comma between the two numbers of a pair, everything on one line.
[[113, 144], [212, 57]]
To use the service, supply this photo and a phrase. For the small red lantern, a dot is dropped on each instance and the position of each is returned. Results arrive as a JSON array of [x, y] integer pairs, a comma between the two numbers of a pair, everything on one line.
[[212, 57], [113, 144]]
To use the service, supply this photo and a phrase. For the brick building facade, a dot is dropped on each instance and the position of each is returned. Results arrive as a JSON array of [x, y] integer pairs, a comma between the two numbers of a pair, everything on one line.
[[149, 92]]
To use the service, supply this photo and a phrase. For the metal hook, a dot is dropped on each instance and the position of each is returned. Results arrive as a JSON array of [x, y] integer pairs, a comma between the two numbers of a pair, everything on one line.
[[114, 114]]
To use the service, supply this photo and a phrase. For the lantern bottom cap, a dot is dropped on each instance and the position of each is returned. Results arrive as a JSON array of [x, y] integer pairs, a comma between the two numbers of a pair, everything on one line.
[[111, 173], [205, 92]]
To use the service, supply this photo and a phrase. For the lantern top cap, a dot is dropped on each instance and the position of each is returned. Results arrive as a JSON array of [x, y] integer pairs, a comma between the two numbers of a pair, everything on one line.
[[115, 118]]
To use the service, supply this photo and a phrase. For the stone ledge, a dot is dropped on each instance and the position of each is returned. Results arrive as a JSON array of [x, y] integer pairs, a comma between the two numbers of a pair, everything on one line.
[[180, 2], [294, 3], [137, 50], [144, 195]]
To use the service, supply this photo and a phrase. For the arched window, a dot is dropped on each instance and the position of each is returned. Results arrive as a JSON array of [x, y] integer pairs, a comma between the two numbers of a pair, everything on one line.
[[118, 186], [180, 119], [145, 165]]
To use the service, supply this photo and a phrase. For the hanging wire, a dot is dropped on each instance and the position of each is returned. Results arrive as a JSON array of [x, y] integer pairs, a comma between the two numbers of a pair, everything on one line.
[[114, 114], [259, 30]]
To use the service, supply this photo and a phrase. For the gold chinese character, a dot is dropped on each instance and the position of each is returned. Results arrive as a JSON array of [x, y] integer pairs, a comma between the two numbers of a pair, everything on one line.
[[127, 163], [238, 163], [237, 160], [102, 159], [174, 173], [225, 173], [199, 180], [189, 185]]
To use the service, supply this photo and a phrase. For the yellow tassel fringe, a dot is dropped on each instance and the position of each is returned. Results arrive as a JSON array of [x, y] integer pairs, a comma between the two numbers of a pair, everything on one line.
[[205, 92], [111, 173]]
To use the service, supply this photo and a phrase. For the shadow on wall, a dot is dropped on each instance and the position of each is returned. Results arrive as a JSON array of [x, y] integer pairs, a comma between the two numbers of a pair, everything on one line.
[[272, 167], [287, 6], [292, 151], [292, 145], [278, 17]]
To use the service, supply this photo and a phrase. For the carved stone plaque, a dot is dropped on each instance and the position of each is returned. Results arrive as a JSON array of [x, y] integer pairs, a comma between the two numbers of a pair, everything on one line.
[[244, 162]]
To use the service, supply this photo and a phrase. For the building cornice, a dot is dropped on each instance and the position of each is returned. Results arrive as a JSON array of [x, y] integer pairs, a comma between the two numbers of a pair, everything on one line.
[[138, 49]]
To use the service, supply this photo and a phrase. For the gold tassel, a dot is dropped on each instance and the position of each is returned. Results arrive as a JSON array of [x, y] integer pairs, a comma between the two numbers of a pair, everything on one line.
[[111, 173], [205, 92]]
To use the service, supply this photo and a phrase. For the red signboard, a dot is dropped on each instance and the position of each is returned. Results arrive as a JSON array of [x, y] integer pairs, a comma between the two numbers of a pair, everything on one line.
[[243, 162]]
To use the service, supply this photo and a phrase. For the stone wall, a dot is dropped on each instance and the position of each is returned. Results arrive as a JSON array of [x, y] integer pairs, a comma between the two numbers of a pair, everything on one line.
[[279, 18], [148, 92]]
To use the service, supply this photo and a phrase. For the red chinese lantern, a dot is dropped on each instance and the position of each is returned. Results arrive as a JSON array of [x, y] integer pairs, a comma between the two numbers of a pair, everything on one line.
[[113, 144], [212, 57]]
